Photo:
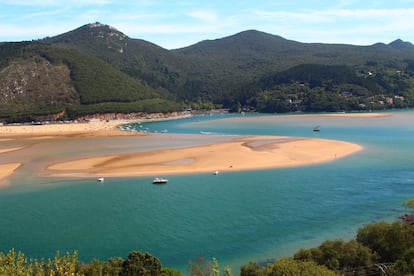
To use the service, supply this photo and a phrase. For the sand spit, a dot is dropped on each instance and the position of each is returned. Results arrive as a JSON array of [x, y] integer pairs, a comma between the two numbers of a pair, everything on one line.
[[245, 153], [7, 170]]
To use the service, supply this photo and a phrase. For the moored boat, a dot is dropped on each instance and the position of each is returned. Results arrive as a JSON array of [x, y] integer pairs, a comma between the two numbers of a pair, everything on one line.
[[159, 180]]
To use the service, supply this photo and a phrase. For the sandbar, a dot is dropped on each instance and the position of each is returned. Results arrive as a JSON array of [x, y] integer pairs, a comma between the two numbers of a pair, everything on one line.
[[356, 115], [234, 154], [98, 128], [93, 128], [241, 153], [7, 170], [10, 149]]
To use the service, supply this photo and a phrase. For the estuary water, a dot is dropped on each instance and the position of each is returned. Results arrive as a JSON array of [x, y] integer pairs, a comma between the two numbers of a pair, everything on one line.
[[235, 217]]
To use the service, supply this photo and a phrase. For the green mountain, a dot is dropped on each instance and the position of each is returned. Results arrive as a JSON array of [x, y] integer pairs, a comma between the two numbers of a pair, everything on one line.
[[163, 70], [98, 69], [268, 73], [44, 77]]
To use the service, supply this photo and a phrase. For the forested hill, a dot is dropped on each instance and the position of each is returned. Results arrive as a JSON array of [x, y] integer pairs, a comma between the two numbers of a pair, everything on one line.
[[98, 69], [254, 50]]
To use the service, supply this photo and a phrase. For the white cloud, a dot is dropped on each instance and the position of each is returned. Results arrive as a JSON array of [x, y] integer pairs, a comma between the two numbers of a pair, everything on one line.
[[32, 32], [355, 26], [42, 14], [54, 3], [333, 15], [132, 28], [188, 21], [204, 15]]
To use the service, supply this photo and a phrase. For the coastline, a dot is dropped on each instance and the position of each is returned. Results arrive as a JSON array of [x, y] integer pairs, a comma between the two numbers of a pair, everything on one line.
[[53, 131], [242, 153], [77, 129], [64, 129]]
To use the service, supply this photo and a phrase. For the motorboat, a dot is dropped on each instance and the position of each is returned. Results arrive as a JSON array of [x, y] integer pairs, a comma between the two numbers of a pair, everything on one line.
[[159, 180]]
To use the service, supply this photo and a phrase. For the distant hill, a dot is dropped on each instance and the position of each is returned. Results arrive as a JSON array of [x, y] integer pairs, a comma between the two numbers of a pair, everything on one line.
[[98, 69], [402, 45], [261, 49]]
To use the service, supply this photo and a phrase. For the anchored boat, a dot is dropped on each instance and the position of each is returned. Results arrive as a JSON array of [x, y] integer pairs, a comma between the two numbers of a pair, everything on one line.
[[160, 180]]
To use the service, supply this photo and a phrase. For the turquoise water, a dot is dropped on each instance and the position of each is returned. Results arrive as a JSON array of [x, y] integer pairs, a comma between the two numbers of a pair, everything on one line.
[[236, 217]]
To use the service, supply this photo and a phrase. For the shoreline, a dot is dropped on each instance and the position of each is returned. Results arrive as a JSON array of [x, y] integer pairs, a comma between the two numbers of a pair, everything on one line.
[[100, 128], [91, 128], [7, 170], [242, 153]]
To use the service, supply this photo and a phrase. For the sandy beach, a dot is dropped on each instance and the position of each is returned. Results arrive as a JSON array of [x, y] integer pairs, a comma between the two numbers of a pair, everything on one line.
[[98, 128], [356, 115], [10, 149], [241, 153], [245, 153], [7, 170]]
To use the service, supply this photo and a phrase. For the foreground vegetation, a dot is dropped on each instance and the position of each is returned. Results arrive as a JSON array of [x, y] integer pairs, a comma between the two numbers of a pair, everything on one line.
[[378, 249]]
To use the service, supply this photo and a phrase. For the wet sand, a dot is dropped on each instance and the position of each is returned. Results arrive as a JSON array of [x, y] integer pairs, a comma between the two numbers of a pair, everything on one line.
[[100, 128], [53, 131], [244, 153], [7, 170], [10, 149], [356, 115]]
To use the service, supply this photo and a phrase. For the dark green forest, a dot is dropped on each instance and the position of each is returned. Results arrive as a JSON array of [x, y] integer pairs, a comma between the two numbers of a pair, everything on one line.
[[97, 69]]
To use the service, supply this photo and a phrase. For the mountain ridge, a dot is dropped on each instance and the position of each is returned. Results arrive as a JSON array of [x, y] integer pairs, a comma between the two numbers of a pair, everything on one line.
[[111, 72], [99, 25]]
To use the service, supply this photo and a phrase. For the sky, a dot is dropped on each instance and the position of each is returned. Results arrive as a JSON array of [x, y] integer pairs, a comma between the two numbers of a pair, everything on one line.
[[178, 23]]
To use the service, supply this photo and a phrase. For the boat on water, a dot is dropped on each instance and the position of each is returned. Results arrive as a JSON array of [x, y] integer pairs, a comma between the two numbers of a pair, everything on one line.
[[317, 128], [101, 179], [206, 132], [160, 180]]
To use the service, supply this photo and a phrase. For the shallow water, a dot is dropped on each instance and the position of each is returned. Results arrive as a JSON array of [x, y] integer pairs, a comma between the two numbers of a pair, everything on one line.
[[236, 217]]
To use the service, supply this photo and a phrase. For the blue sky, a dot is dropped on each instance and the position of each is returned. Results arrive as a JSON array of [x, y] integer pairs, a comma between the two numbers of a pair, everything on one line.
[[179, 23]]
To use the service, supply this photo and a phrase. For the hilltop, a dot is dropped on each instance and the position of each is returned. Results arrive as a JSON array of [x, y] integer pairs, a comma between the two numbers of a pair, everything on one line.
[[98, 69]]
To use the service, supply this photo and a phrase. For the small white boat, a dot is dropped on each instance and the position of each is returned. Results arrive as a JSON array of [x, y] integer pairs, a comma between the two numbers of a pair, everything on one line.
[[101, 179], [216, 172], [159, 180], [206, 132]]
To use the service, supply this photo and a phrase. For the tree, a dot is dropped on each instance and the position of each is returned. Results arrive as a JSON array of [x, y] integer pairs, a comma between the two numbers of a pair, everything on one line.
[[113, 266], [251, 269], [409, 203], [405, 265], [167, 271], [13, 263], [139, 263], [200, 267], [95, 267], [389, 241], [338, 255], [290, 267], [65, 265]]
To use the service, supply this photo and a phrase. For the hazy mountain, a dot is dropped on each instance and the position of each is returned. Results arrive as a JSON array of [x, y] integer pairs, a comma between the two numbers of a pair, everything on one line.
[[402, 45]]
